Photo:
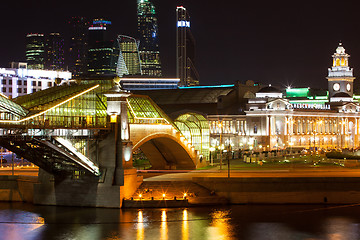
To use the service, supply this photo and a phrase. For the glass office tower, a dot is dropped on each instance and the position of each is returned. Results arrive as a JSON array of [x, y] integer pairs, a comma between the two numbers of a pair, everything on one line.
[[129, 58], [149, 38], [35, 50], [77, 60], [54, 52], [103, 52]]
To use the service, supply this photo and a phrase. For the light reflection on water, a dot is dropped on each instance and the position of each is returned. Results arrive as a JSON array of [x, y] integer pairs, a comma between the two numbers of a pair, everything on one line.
[[28, 222], [185, 225]]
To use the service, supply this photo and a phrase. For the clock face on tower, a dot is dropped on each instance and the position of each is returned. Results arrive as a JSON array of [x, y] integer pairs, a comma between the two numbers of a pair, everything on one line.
[[348, 87], [336, 87]]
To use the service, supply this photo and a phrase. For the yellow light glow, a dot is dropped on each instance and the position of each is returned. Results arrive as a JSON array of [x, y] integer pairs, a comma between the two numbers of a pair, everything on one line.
[[3, 95], [164, 229], [185, 226], [113, 118], [140, 195], [163, 195], [185, 194], [140, 229]]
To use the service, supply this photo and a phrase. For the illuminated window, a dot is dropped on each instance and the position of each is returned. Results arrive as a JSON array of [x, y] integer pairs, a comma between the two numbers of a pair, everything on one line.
[[77, 175]]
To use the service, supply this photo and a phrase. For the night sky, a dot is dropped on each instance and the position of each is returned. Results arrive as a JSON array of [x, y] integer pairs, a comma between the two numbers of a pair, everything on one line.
[[283, 44]]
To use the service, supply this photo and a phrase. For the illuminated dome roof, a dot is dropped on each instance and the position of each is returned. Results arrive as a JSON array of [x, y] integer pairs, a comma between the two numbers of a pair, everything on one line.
[[269, 89], [342, 95], [340, 49]]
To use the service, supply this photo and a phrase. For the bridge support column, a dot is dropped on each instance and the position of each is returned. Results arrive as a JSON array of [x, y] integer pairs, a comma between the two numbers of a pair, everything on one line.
[[117, 109]]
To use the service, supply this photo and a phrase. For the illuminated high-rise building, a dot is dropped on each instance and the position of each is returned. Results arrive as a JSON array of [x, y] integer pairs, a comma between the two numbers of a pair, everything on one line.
[[103, 51], [35, 50], [54, 52], [149, 38], [185, 50], [78, 46], [129, 58]]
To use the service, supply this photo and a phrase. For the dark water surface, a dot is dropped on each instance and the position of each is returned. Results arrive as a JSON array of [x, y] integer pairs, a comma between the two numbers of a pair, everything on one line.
[[260, 222]]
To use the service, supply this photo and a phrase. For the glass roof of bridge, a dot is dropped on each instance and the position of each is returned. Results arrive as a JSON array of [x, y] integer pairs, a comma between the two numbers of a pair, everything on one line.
[[44, 99], [7, 105], [142, 107]]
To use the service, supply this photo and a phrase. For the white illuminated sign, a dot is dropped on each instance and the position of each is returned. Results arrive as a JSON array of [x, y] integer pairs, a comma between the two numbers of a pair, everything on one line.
[[97, 28], [183, 24]]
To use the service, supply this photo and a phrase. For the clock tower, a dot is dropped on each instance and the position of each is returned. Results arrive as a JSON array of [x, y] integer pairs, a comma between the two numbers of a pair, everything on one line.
[[340, 77]]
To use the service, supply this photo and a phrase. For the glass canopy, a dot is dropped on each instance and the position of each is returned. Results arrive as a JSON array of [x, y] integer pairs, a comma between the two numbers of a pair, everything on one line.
[[195, 128]]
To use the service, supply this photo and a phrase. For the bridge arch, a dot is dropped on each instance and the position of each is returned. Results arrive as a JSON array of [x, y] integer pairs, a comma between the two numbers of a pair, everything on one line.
[[165, 149]]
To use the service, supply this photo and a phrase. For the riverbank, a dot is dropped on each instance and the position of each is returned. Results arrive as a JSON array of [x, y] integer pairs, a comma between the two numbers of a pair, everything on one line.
[[213, 187]]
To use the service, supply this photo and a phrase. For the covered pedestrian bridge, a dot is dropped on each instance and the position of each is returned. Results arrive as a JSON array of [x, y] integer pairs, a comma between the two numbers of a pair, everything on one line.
[[59, 129]]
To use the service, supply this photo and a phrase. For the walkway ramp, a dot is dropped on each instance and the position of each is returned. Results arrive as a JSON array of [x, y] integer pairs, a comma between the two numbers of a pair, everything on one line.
[[54, 155]]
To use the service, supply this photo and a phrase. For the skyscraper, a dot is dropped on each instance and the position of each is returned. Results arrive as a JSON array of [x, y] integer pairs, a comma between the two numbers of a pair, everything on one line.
[[78, 46], [129, 58], [149, 38], [185, 50], [35, 50], [103, 51], [54, 52]]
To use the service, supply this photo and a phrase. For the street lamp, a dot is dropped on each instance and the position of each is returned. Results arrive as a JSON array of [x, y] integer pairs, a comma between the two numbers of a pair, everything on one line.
[[212, 149], [220, 125]]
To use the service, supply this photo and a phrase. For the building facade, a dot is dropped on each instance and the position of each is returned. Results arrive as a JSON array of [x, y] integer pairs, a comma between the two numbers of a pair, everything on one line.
[[144, 83], [35, 50], [20, 81], [149, 38], [77, 59], [54, 52], [185, 50], [296, 118]]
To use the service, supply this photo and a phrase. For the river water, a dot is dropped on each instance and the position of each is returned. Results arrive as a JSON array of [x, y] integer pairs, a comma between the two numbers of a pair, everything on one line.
[[260, 222]]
